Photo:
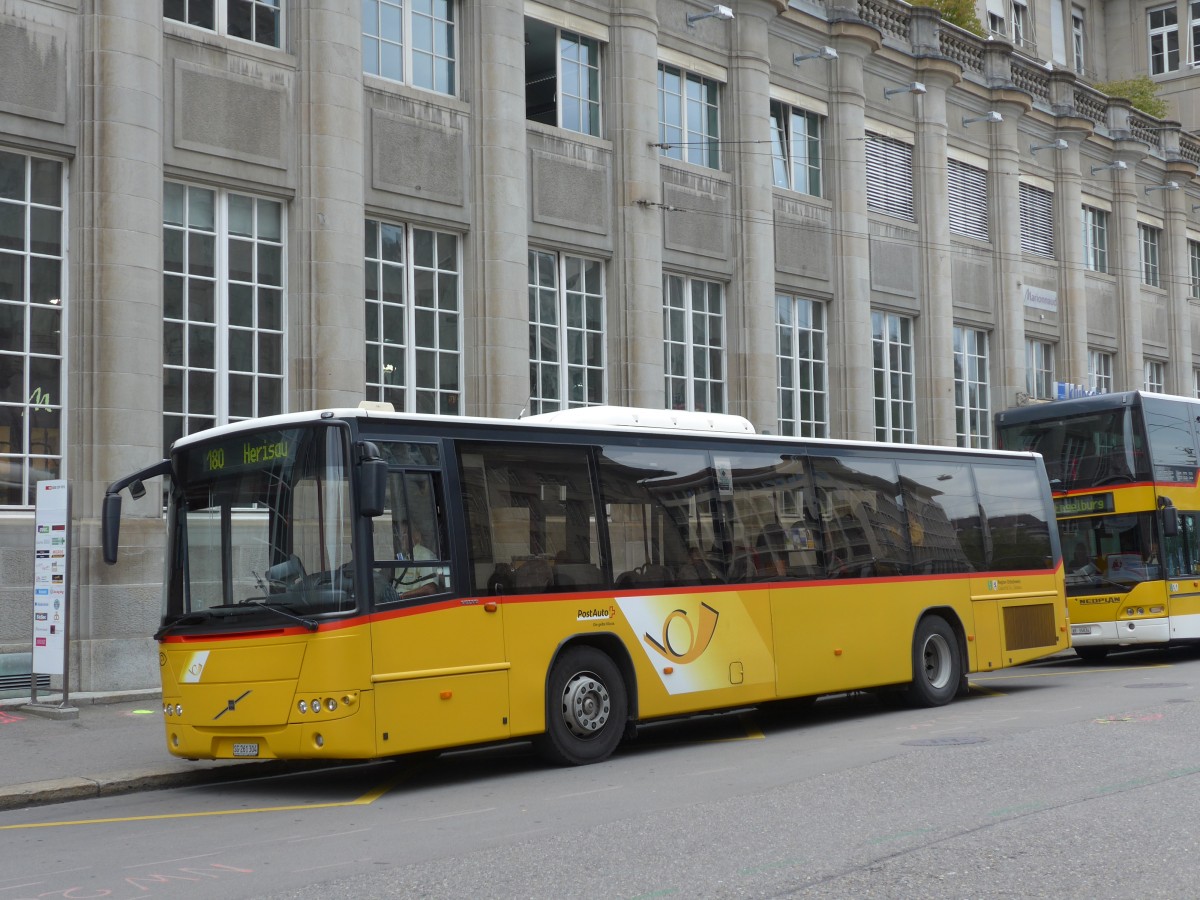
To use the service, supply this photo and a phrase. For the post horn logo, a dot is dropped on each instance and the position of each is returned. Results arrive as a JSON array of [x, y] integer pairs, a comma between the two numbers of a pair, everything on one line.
[[698, 636]]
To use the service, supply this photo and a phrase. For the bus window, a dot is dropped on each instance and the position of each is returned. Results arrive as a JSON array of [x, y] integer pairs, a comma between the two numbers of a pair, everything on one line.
[[943, 517], [767, 516], [531, 518], [411, 555], [1172, 444], [1018, 534], [660, 516], [862, 516], [1181, 553]]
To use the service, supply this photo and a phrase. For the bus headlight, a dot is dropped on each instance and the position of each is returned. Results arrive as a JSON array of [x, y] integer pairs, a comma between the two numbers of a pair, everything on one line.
[[303, 707], [330, 704], [316, 706], [178, 709]]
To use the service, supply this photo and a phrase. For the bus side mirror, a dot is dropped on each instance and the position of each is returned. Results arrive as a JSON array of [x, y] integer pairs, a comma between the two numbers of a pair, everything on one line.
[[110, 526], [1170, 521], [372, 487]]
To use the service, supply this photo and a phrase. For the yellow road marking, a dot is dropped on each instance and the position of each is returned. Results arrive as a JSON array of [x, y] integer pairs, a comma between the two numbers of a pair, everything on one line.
[[366, 799]]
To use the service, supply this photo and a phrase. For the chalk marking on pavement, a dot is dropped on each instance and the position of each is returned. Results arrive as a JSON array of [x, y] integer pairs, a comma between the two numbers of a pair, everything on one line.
[[611, 787], [180, 859], [365, 800], [324, 836], [457, 815]]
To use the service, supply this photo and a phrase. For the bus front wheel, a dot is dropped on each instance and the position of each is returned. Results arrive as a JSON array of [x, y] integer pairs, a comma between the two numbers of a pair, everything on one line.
[[585, 708], [937, 666]]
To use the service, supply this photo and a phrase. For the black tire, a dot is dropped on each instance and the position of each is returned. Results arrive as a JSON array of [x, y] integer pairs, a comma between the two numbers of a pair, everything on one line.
[[937, 663], [1092, 654], [586, 708]]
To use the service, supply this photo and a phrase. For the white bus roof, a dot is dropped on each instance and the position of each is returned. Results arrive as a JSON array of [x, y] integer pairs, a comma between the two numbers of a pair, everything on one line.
[[633, 417], [588, 418]]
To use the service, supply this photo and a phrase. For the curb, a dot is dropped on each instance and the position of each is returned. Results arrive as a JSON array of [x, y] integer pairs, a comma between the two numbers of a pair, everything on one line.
[[63, 790], [87, 698]]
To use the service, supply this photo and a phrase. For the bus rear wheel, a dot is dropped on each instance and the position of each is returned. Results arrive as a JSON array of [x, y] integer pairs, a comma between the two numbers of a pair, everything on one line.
[[937, 664], [585, 708]]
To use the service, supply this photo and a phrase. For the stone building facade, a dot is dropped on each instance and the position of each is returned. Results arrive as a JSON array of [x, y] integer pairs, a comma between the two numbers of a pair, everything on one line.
[[846, 219]]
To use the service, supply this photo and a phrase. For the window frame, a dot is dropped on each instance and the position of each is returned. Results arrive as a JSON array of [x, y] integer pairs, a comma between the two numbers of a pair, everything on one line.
[[442, 53], [894, 373], [675, 141], [681, 350], [1095, 238], [1159, 38], [788, 169], [1039, 369], [569, 332], [1150, 254], [1154, 376], [224, 327], [803, 378], [972, 387], [1101, 364], [214, 16], [1079, 40], [1194, 267], [417, 362], [43, 312]]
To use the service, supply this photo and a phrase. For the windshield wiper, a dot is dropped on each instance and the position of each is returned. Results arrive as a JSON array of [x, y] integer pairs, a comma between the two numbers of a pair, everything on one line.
[[310, 624], [194, 618], [226, 612]]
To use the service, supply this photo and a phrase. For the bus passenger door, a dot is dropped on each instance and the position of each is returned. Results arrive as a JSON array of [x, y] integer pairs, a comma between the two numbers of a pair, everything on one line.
[[439, 671]]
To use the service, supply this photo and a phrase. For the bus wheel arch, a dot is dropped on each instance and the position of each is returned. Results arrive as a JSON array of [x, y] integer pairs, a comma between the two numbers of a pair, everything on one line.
[[589, 694], [938, 659]]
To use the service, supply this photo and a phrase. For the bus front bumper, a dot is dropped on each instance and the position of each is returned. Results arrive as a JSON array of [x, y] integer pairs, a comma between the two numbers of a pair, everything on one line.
[[1127, 632]]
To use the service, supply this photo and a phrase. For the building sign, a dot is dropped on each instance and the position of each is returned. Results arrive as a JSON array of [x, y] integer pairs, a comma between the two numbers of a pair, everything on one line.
[[1085, 505], [51, 548], [1039, 298]]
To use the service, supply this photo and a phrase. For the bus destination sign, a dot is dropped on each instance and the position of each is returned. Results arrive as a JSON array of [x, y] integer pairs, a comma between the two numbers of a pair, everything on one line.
[[251, 452], [1085, 505]]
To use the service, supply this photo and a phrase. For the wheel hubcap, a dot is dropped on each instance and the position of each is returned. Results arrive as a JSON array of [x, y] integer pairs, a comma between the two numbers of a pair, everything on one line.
[[937, 661], [586, 704]]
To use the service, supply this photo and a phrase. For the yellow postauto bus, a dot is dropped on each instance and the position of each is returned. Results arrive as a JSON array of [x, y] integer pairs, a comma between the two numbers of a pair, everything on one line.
[[351, 584], [1124, 471]]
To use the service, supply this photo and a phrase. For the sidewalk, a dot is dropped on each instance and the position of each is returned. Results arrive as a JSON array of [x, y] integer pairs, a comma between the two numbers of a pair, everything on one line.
[[114, 746]]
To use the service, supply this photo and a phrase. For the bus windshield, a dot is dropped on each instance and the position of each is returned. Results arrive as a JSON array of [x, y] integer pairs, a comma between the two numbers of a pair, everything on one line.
[[1110, 553], [1084, 451], [260, 527]]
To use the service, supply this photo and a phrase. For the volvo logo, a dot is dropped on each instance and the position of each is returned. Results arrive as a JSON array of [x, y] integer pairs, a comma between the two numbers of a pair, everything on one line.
[[231, 705]]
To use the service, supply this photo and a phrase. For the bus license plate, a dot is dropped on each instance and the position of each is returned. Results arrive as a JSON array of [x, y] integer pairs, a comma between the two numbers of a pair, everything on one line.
[[1081, 629], [245, 749]]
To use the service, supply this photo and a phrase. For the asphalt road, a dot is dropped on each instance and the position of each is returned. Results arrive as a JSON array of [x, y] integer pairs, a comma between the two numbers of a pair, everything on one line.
[[1054, 780]]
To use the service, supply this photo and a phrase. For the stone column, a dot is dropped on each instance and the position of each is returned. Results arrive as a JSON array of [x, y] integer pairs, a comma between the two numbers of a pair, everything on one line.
[[1178, 279], [497, 309], [635, 316], [1008, 366], [1129, 374], [851, 391], [326, 228], [116, 425], [1072, 281], [935, 374], [750, 323]]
